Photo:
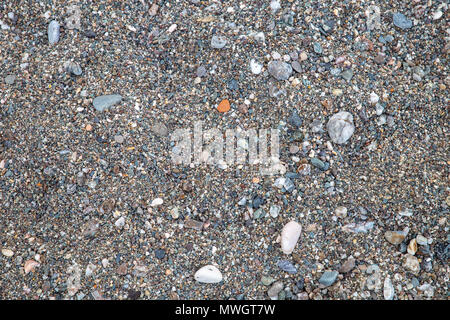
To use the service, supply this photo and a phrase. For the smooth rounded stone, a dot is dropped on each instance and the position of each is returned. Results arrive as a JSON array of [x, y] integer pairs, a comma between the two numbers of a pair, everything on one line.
[[347, 75], [201, 71], [208, 274], [279, 70], [296, 66], [401, 21], [160, 254], [160, 129], [340, 127], [105, 102], [157, 202], [218, 42], [295, 120], [73, 68], [373, 98], [388, 290], [421, 240], [255, 66], [120, 222], [289, 236], [274, 211], [287, 266], [394, 237], [341, 212], [119, 139], [10, 79], [411, 263], [328, 278], [53, 32], [274, 290], [412, 247], [348, 265], [267, 281], [7, 252], [317, 47]]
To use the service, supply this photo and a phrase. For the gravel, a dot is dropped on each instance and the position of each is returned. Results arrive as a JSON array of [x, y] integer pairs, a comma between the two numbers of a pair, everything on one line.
[[90, 196]]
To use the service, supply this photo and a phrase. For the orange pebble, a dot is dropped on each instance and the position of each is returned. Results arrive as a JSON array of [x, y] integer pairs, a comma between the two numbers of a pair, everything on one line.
[[224, 106], [88, 127]]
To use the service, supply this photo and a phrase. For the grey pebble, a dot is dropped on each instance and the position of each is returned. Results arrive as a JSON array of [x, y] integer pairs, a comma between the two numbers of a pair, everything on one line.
[[105, 102]]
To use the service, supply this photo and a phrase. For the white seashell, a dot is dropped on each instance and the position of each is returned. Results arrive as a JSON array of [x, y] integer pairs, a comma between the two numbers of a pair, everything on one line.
[[289, 236], [157, 202], [208, 274]]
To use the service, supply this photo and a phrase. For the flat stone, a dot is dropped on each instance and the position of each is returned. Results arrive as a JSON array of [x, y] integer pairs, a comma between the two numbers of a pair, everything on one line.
[[328, 278], [208, 274], [401, 21], [348, 265], [394, 237], [105, 102], [53, 32], [340, 127], [193, 224], [279, 70], [10, 79], [218, 42]]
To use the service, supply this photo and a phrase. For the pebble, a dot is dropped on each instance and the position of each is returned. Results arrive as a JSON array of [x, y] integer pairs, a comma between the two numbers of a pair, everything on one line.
[[421, 240], [9, 79], [289, 236], [201, 71], [157, 202], [160, 129], [208, 274], [287, 266], [267, 281], [348, 265], [296, 66], [160, 253], [374, 98], [394, 237], [119, 139], [411, 263], [255, 66], [275, 290], [412, 247], [328, 278], [388, 290], [401, 21], [7, 252], [280, 70], [73, 68], [120, 222], [274, 211], [53, 32], [218, 42], [105, 102], [340, 127]]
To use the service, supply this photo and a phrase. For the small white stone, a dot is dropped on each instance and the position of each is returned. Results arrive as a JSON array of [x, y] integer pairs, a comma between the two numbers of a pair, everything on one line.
[[289, 236], [156, 202], [120, 222], [208, 274], [374, 98], [255, 66], [7, 252], [340, 127], [388, 290], [172, 28]]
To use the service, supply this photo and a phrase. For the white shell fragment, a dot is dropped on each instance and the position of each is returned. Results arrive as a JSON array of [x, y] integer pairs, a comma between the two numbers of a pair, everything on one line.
[[208, 274], [289, 236]]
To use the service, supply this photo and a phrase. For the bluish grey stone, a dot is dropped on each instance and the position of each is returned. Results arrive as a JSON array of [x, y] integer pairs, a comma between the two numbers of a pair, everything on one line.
[[317, 47], [279, 70], [218, 42], [287, 266], [328, 278], [53, 32], [10, 79], [103, 103], [401, 21], [347, 74], [318, 163]]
